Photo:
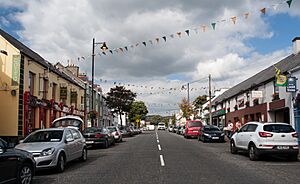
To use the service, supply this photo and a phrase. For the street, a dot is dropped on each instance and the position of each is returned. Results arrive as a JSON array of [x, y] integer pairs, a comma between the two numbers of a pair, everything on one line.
[[169, 158]]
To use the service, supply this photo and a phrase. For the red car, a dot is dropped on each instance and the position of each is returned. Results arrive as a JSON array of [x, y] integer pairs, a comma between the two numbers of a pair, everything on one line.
[[192, 128]]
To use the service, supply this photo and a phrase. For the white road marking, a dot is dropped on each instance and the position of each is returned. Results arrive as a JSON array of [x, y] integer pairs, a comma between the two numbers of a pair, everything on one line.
[[162, 162], [280, 164], [157, 141], [159, 148]]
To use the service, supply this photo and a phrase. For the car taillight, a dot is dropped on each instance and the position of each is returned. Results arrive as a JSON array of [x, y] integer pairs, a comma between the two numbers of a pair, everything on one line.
[[265, 134], [117, 133], [295, 135], [98, 135]]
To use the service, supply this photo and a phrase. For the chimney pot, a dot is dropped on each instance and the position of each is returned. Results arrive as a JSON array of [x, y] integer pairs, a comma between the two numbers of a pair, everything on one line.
[[296, 45]]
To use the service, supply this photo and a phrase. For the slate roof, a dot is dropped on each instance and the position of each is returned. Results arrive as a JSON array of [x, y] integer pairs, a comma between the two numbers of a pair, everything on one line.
[[265, 76], [34, 56]]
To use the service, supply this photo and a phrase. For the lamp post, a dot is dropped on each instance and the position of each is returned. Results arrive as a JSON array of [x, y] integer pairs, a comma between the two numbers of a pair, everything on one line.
[[103, 47]]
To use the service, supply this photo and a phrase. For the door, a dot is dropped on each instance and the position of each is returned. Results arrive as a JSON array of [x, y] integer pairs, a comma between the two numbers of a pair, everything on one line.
[[247, 135], [69, 146], [240, 137], [77, 143], [8, 166]]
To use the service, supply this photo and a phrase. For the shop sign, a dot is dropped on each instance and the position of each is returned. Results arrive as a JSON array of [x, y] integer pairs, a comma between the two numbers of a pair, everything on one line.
[[219, 113], [63, 92], [41, 103], [78, 113], [241, 103], [291, 84], [15, 70], [256, 94], [66, 109]]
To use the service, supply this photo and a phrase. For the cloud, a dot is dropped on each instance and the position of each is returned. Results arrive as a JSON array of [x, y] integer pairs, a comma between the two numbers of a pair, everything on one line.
[[63, 30]]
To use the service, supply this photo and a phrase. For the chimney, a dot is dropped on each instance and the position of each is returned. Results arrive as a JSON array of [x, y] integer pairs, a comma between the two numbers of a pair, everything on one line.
[[296, 45]]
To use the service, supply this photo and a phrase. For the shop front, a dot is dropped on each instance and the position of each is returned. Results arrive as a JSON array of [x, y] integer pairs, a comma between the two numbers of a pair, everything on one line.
[[279, 112], [218, 118]]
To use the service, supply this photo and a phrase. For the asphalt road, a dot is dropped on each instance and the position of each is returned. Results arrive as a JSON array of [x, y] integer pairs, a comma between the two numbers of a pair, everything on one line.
[[169, 158]]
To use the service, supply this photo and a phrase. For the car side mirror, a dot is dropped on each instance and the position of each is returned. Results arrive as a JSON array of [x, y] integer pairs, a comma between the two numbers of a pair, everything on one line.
[[21, 141]]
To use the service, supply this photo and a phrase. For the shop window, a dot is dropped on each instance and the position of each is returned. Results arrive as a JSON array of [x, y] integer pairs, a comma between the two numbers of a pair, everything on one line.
[[275, 95], [45, 88], [31, 79]]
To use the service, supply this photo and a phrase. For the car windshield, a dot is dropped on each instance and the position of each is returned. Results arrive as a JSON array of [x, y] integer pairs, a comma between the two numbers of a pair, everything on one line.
[[93, 130], [45, 136], [67, 122], [194, 123], [211, 129], [112, 129], [279, 128]]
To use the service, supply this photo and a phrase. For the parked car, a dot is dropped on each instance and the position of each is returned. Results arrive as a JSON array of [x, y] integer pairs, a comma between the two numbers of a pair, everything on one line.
[[161, 126], [66, 121], [175, 129], [179, 130], [211, 133], [182, 130], [192, 128], [54, 147], [98, 136], [266, 138], [170, 128], [15, 165], [116, 133]]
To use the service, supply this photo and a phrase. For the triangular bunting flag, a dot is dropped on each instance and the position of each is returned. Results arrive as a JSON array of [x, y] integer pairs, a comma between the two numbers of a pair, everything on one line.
[[82, 57], [263, 11], [196, 30], [150, 41], [203, 28], [165, 38], [111, 51], [213, 25], [275, 6], [137, 44], [187, 32], [126, 48], [157, 40], [289, 2], [104, 53], [131, 46], [172, 36], [233, 19], [144, 43], [116, 50], [179, 34], [121, 49], [246, 15]]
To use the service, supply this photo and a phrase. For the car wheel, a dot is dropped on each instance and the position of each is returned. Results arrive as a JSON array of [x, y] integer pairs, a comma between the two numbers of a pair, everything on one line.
[[233, 149], [84, 155], [25, 174], [253, 153], [106, 144], [60, 167]]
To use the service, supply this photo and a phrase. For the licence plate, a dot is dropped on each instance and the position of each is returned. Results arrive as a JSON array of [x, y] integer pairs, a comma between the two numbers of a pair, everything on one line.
[[89, 142], [215, 138], [195, 131], [283, 147]]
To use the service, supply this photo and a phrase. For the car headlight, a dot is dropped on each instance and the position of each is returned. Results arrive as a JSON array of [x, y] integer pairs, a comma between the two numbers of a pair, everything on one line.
[[222, 134], [206, 135], [48, 151]]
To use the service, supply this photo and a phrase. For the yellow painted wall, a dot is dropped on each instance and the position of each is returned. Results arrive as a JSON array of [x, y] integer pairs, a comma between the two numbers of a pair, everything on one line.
[[8, 103]]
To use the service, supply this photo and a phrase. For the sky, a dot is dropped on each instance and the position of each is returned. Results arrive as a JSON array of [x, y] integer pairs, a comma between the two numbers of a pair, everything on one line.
[[62, 31]]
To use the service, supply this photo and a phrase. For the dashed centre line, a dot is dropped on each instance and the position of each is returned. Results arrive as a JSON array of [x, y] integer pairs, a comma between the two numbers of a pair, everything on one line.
[[162, 162], [159, 148]]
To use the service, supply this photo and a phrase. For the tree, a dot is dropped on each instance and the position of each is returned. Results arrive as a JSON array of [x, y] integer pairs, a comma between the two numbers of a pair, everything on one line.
[[199, 101], [138, 111], [154, 119], [119, 100], [186, 108]]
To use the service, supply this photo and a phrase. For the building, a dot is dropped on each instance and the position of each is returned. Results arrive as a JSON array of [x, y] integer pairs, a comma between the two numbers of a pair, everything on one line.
[[259, 99], [32, 91]]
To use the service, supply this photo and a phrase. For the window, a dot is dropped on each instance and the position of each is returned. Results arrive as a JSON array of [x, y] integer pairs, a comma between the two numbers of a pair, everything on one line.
[[279, 128], [244, 128], [54, 88], [251, 128], [45, 89], [75, 134], [31, 79], [68, 134]]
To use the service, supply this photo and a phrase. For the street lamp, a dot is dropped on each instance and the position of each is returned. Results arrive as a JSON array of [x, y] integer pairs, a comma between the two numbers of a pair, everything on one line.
[[104, 48]]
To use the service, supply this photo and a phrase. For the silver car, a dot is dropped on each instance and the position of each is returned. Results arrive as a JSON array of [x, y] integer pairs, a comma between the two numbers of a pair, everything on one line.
[[54, 147]]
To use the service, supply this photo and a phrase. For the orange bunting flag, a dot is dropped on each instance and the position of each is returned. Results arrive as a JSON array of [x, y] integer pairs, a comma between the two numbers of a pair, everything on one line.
[[263, 11], [203, 28], [157, 40], [179, 34], [246, 15], [234, 19]]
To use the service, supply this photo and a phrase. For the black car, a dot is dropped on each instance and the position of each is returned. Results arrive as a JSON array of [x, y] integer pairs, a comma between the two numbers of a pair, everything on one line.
[[95, 136], [211, 133], [15, 165]]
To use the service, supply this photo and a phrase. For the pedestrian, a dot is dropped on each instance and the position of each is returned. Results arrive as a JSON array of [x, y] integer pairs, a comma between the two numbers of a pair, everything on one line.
[[238, 125], [229, 129]]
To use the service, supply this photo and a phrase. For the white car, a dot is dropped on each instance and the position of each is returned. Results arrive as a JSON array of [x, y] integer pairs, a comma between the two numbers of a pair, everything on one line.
[[266, 138], [161, 126]]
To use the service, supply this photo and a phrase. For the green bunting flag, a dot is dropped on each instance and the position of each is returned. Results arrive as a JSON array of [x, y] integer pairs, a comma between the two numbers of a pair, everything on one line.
[[213, 25], [187, 32], [289, 2]]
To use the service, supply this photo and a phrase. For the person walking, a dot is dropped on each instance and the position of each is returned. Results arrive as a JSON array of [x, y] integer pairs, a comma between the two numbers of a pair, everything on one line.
[[229, 129]]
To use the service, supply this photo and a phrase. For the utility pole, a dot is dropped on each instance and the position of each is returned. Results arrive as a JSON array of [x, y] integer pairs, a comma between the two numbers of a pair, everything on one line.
[[209, 86], [188, 90]]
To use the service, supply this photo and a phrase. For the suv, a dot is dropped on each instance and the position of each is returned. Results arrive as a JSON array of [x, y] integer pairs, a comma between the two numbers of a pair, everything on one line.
[[266, 138]]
